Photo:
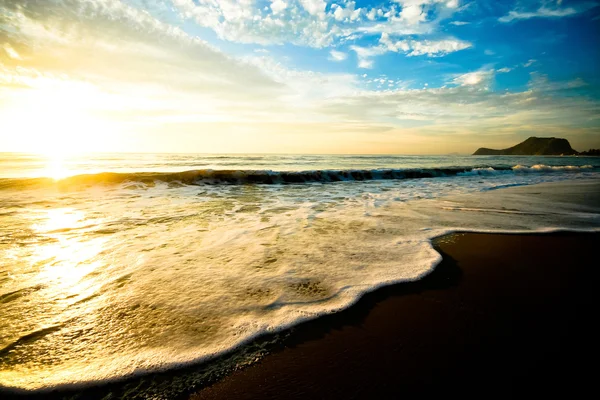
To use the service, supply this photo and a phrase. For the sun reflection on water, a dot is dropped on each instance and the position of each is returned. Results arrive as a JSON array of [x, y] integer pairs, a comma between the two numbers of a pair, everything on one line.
[[69, 255], [56, 167], [59, 219]]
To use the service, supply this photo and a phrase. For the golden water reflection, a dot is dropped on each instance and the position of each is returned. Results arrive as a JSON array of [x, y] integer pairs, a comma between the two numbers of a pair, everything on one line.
[[56, 167], [58, 220], [67, 254]]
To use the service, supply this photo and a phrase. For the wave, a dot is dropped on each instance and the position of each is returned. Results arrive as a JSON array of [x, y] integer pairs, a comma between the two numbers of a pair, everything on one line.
[[269, 177], [245, 350]]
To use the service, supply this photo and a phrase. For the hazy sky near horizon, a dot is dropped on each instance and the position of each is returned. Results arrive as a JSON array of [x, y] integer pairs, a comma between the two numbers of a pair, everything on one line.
[[297, 76]]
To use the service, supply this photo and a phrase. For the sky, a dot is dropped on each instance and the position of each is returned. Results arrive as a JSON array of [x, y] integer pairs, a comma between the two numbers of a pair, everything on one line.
[[297, 76]]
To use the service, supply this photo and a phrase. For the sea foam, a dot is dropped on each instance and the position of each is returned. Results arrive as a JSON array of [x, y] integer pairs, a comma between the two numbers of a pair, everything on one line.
[[120, 280]]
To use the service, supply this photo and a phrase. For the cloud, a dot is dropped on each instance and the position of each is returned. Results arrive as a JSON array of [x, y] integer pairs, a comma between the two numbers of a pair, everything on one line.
[[504, 70], [413, 14], [364, 55], [529, 63], [410, 47], [415, 17], [348, 13], [365, 63], [304, 89], [373, 13], [301, 22], [313, 23], [459, 23], [74, 41], [437, 48], [546, 12], [335, 55], [472, 110], [277, 6], [431, 48], [541, 83], [480, 78], [10, 52], [314, 7], [177, 86]]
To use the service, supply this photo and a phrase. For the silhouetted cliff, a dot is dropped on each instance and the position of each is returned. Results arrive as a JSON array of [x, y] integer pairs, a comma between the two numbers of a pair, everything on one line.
[[533, 146], [590, 152]]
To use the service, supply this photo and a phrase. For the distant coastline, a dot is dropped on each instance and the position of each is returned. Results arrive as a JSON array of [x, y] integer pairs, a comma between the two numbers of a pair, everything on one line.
[[535, 146]]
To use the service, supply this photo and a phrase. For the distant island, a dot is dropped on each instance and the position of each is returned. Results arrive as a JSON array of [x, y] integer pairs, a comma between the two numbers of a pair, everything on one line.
[[535, 146], [590, 152]]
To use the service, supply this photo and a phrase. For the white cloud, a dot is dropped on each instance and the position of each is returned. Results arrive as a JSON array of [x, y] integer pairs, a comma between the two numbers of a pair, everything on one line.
[[459, 23], [302, 22], [372, 14], [172, 77], [10, 52], [335, 55], [542, 12], [346, 13], [410, 47], [469, 107], [489, 52], [413, 14], [504, 70], [432, 48], [529, 63], [396, 26], [541, 83], [314, 7], [365, 54], [311, 22], [415, 17], [365, 63], [475, 78], [305, 88], [55, 38], [278, 6], [416, 11]]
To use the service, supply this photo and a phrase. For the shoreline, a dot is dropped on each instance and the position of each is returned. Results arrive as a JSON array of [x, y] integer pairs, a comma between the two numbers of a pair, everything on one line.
[[495, 315], [387, 342]]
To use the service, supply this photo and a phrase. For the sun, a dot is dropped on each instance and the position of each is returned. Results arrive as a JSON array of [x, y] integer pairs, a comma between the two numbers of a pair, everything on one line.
[[58, 118]]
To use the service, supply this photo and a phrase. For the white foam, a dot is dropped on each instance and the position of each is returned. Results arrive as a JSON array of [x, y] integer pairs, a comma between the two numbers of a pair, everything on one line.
[[550, 168], [185, 277]]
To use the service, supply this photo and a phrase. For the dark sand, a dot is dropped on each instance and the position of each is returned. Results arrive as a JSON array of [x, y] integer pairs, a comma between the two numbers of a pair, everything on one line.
[[501, 315]]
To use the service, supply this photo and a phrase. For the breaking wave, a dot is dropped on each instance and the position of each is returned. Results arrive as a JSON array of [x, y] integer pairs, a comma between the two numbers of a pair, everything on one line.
[[270, 177]]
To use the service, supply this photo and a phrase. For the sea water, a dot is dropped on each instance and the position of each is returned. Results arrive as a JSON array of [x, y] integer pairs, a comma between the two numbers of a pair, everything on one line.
[[113, 265]]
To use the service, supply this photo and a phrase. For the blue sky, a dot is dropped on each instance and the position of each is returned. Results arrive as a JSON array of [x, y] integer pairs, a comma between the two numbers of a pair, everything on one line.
[[561, 37], [403, 76]]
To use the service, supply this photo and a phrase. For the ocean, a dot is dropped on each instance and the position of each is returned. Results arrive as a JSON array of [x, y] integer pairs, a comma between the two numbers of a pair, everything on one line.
[[118, 265]]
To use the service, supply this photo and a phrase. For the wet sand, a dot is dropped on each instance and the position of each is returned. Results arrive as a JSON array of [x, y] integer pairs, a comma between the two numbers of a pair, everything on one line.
[[501, 315]]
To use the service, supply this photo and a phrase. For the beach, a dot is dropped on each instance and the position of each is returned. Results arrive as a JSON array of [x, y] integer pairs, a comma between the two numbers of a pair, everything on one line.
[[500, 315], [157, 283], [298, 198]]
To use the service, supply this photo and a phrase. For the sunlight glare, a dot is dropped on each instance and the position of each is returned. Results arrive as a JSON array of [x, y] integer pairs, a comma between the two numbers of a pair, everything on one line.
[[67, 258], [56, 167], [56, 118]]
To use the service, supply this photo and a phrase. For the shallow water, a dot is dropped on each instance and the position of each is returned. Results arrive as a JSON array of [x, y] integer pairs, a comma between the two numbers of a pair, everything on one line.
[[102, 278]]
